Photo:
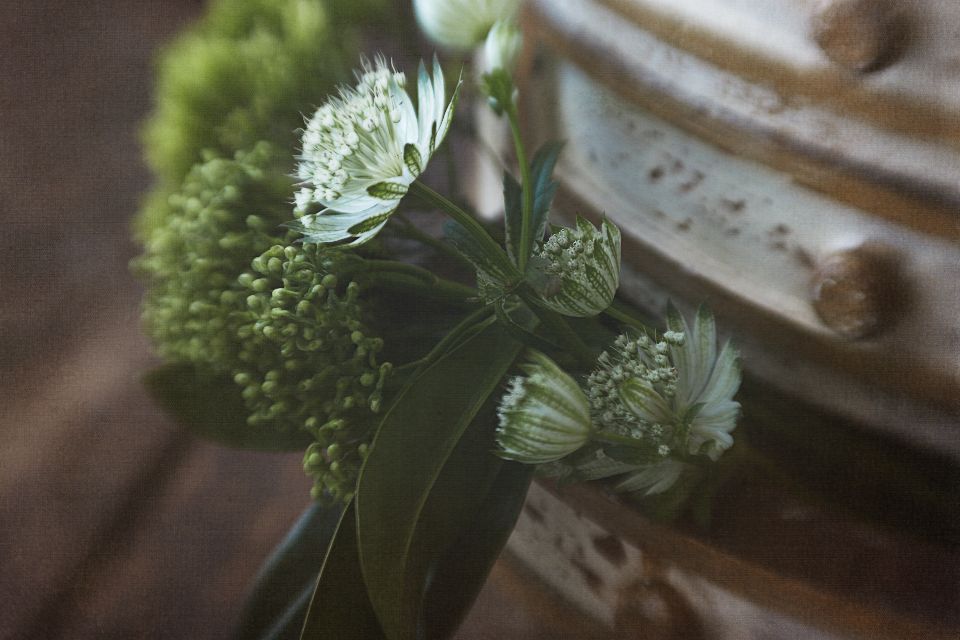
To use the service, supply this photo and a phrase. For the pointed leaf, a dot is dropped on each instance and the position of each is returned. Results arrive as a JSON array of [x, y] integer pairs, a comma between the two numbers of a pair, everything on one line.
[[414, 441], [340, 607], [290, 570], [494, 267], [544, 187], [211, 407], [457, 577]]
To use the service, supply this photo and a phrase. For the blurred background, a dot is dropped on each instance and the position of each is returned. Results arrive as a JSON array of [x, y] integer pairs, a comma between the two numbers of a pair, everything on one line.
[[113, 523]]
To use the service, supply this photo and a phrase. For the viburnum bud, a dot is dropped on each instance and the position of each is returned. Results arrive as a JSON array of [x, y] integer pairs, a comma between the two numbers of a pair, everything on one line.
[[502, 47], [462, 24]]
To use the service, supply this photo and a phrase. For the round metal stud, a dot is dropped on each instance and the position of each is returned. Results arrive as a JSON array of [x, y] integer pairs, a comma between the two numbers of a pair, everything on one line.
[[860, 35], [857, 292], [655, 610]]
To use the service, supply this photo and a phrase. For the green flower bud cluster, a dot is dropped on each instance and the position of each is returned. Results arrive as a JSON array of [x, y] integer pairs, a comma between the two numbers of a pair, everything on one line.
[[247, 72], [226, 293], [197, 242], [308, 361]]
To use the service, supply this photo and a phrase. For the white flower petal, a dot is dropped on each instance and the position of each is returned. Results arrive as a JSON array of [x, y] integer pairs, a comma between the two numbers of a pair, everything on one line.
[[462, 24], [645, 402], [600, 465], [713, 426], [356, 156], [725, 378], [653, 479]]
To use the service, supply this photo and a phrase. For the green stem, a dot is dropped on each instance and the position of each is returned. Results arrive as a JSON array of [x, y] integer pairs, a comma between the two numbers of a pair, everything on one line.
[[478, 320], [558, 325], [437, 288], [395, 266], [526, 219], [470, 223], [411, 231], [613, 438], [618, 312]]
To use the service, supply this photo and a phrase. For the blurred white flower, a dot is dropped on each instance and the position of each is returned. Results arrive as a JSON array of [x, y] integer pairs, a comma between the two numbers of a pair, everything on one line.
[[363, 149], [462, 24], [544, 416], [502, 47]]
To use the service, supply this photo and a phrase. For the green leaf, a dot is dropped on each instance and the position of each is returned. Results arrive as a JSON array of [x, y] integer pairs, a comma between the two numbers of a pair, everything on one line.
[[211, 407], [290, 570], [495, 267], [387, 190], [415, 440], [340, 608], [544, 189], [456, 578]]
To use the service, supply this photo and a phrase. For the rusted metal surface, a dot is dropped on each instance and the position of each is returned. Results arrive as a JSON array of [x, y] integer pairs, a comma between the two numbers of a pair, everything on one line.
[[907, 176], [806, 185], [646, 580], [708, 219]]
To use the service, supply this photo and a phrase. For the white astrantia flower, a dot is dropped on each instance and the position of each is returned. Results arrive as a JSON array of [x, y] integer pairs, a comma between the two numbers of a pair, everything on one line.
[[462, 24], [582, 266], [501, 50], [544, 416], [673, 398], [363, 149]]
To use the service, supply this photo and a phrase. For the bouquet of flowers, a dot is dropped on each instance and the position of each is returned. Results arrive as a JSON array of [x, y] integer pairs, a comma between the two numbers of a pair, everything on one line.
[[310, 291]]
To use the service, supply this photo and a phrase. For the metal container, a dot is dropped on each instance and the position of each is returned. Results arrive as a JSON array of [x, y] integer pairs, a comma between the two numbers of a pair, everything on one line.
[[795, 165]]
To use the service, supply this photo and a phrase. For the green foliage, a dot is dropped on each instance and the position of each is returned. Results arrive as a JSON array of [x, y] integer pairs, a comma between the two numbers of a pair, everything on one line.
[[247, 72], [225, 293], [340, 607], [286, 582], [412, 504]]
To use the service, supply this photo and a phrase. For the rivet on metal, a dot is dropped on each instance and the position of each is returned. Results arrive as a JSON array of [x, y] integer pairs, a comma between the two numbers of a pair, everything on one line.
[[653, 609], [859, 35], [857, 292]]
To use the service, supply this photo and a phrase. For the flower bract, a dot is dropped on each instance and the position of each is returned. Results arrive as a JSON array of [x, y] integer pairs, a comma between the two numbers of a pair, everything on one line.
[[363, 149], [462, 24], [544, 417], [582, 266]]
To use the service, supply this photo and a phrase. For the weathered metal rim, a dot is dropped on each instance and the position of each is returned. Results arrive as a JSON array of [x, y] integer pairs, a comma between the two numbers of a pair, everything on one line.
[[792, 597], [837, 88], [925, 207]]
